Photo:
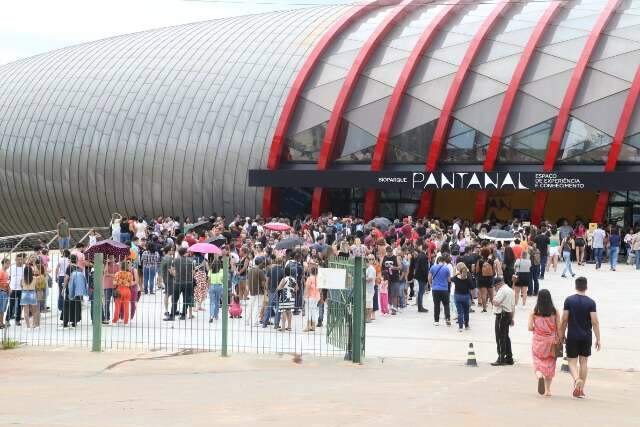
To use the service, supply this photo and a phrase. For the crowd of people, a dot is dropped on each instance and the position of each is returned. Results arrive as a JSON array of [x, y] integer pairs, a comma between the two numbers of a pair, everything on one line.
[[462, 265]]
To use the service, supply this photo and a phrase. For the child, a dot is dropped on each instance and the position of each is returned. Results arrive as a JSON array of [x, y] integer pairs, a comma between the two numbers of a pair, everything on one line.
[[384, 297], [235, 311]]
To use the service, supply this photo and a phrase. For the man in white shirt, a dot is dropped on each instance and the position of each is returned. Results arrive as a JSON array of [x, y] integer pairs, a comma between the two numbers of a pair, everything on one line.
[[597, 244], [16, 274], [503, 308]]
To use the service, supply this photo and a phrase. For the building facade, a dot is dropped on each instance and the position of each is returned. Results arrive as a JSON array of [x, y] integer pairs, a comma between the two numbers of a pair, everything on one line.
[[169, 121]]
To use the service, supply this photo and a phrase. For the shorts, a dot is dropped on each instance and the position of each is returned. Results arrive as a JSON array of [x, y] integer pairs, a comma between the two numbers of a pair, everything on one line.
[[28, 298], [485, 282], [394, 289], [554, 250], [580, 242], [577, 348]]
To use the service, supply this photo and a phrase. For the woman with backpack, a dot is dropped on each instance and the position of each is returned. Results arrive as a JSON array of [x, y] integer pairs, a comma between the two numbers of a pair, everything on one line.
[[486, 270], [286, 298]]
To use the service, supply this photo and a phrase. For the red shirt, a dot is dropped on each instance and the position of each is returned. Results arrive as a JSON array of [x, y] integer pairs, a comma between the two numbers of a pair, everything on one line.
[[517, 251]]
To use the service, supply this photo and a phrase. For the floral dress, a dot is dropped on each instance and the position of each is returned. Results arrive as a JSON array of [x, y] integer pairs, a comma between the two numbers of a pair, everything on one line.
[[202, 285], [545, 333]]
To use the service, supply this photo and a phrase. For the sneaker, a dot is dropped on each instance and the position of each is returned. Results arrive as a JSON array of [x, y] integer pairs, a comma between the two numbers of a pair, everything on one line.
[[498, 363], [563, 276], [436, 323], [448, 322], [460, 329]]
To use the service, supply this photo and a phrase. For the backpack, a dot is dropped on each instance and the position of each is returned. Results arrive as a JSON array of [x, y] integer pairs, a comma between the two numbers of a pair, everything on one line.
[[487, 268], [455, 249]]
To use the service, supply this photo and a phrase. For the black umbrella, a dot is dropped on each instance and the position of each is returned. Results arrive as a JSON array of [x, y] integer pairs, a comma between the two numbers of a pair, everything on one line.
[[200, 226], [108, 247], [290, 243], [381, 222], [219, 241]]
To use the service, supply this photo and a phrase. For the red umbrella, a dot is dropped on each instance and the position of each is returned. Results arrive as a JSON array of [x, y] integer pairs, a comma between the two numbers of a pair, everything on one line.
[[108, 247], [205, 248], [276, 226]]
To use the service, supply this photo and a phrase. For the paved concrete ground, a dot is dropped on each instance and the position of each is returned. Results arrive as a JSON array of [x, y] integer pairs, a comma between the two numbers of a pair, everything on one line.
[[616, 293], [80, 389]]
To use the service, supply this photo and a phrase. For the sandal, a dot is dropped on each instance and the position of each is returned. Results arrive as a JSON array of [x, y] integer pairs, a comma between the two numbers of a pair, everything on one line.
[[540, 384], [577, 389]]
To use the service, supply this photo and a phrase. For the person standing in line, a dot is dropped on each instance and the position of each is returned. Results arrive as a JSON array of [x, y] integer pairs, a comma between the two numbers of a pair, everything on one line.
[[110, 269], [63, 234], [184, 271], [274, 277], [598, 240], [579, 321], [534, 256], [312, 297], [28, 300], [567, 245], [4, 289], [635, 247], [439, 278], [542, 243], [122, 282], [554, 249], [168, 278], [614, 247], [545, 323], [391, 272], [581, 234], [150, 260], [462, 294], [522, 279], [16, 273], [215, 289], [370, 283], [421, 274], [504, 310]]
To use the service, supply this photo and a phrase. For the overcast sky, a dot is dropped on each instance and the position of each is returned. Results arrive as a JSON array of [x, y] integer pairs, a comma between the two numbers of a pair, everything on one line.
[[29, 27]]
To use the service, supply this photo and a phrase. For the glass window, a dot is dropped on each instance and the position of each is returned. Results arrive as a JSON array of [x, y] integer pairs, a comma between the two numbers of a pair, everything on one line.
[[411, 146], [305, 146], [465, 144], [358, 144], [583, 143], [630, 150], [618, 196], [295, 201], [528, 145]]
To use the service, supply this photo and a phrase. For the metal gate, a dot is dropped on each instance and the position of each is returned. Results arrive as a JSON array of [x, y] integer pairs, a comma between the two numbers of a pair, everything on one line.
[[345, 315]]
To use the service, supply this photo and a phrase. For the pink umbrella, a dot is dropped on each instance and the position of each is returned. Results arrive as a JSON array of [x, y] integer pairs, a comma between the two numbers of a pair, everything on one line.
[[276, 226], [205, 248]]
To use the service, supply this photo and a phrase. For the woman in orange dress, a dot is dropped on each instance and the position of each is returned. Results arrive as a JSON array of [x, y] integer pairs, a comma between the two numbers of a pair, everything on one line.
[[122, 282], [544, 322]]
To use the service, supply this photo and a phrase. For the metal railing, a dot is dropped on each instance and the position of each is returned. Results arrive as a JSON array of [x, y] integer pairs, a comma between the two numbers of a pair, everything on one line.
[[157, 314]]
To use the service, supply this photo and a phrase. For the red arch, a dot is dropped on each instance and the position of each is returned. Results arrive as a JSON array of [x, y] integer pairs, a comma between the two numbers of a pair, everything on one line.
[[509, 99], [278, 141], [380, 151], [565, 108], [442, 127], [318, 201], [618, 139]]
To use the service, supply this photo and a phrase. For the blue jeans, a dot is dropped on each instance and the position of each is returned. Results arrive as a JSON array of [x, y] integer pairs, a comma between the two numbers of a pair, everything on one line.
[[597, 254], [106, 308], [149, 278], [273, 305], [463, 302], [613, 256], [422, 285], [567, 263], [63, 242], [125, 237], [543, 265], [534, 285], [637, 255], [215, 293], [60, 293], [320, 311], [401, 288], [4, 300]]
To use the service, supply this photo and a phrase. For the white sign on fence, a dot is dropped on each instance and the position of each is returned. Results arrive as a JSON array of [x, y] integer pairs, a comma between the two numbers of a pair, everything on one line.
[[332, 278]]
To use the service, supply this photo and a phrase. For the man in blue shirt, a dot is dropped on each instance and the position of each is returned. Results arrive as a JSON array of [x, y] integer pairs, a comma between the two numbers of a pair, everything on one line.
[[580, 318], [614, 248], [439, 277]]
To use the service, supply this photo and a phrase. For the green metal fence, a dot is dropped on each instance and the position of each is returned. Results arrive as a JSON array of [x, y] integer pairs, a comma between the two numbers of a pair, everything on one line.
[[93, 324], [345, 317]]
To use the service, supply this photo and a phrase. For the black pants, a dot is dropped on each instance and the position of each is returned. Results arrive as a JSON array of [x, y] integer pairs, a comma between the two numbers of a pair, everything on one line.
[[534, 285], [178, 288], [441, 297], [14, 306], [503, 342]]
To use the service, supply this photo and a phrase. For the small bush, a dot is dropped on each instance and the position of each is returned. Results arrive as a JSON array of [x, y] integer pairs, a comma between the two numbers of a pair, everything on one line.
[[10, 344]]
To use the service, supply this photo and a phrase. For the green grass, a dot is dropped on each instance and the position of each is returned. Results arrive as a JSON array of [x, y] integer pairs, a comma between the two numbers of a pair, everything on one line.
[[10, 344]]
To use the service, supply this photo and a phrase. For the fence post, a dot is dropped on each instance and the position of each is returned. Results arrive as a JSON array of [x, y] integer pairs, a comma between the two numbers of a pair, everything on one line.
[[225, 304], [97, 301], [358, 311]]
